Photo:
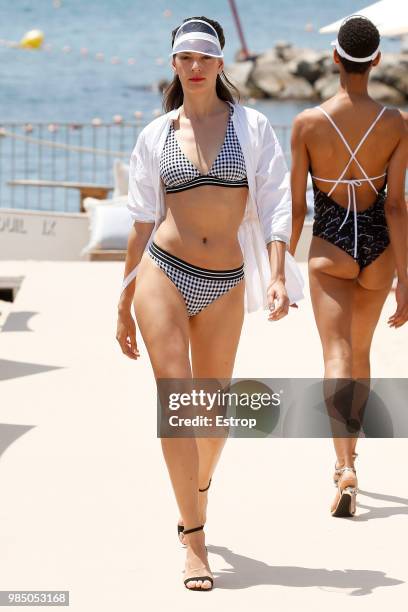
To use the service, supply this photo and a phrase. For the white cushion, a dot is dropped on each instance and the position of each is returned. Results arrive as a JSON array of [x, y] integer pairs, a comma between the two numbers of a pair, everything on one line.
[[110, 226], [90, 203], [121, 178]]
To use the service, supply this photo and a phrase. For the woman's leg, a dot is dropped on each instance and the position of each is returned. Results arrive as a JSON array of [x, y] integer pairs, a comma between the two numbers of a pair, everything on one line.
[[371, 290], [213, 356], [359, 317], [163, 322], [374, 284], [332, 278]]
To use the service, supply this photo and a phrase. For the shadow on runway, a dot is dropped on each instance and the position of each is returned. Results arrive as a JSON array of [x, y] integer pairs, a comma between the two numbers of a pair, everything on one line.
[[246, 572], [374, 512], [18, 321], [10, 433], [15, 369]]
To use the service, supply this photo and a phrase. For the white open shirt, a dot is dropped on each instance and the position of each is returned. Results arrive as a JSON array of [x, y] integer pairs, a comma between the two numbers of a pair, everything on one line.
[[268, 212]]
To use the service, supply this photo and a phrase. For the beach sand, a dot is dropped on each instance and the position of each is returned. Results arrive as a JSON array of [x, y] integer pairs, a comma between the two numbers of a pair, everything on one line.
[[87, 505]]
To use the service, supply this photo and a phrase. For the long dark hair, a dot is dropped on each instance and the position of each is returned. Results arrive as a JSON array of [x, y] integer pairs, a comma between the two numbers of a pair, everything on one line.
[[173, 94]]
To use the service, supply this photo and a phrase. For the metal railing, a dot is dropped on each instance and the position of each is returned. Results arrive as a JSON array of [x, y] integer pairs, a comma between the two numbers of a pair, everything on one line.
[[66, 153], [61, 152]]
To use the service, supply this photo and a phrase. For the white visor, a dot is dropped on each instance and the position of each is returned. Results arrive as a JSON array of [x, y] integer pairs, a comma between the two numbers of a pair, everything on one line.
[[351, 58], [342, 53], [197, 36]]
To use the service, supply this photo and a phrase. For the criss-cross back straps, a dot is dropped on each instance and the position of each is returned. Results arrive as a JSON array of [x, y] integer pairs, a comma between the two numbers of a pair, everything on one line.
[[352, 183], [352, 153]]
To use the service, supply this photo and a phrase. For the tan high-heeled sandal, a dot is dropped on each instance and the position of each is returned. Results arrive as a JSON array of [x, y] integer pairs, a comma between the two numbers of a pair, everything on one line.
[[346, 505], [337, 471]]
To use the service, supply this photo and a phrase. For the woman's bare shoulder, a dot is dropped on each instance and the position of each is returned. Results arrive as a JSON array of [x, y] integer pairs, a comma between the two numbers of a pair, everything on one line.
[[395, 120], [307, 120]]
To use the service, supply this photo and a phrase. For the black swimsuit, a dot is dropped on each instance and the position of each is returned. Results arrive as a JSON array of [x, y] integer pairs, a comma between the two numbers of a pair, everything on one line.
[[364, 236]]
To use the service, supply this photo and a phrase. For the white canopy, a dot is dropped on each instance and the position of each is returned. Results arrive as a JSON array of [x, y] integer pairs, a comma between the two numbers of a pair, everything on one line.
[[390, 17]]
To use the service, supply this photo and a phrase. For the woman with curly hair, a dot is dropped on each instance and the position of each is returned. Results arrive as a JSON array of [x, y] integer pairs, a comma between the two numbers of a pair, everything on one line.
[[354, 149]]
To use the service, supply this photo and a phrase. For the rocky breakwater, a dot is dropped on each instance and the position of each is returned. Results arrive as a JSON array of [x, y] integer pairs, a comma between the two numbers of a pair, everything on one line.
[[286, 72]]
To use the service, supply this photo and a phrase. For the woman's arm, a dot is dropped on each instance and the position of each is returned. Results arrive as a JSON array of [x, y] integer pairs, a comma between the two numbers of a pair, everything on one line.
[[299, 172], [142, 208], [273, 198], [273, 202], [277, 290], [396, 215], [138, 237]]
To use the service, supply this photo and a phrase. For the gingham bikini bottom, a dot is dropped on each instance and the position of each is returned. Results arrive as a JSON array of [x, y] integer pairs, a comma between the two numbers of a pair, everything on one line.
[[198, 286]]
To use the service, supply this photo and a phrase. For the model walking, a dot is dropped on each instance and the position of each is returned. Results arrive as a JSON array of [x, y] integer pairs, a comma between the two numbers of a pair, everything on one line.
[[209, 181], [353, 148]]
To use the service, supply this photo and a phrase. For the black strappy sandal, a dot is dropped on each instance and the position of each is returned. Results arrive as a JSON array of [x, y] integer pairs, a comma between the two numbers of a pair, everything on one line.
[[196, 578], [180, 528]]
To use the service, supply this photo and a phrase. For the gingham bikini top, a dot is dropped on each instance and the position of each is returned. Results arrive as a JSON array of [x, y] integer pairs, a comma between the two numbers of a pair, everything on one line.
[[228, 169]]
